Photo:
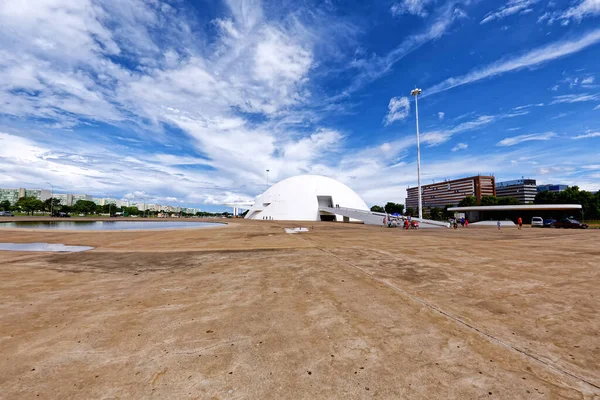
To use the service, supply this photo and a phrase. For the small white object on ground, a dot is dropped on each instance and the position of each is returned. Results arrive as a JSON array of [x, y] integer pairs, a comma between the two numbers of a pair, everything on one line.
[[53, 247], [295, 230]]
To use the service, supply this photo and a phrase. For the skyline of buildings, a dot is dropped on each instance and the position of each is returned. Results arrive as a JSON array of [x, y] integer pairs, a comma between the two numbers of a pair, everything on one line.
[[447, 192], [69, 199], [451, 192]]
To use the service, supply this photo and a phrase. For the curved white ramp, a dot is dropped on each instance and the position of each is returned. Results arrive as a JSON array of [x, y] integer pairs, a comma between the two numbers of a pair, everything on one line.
[[373, 218]]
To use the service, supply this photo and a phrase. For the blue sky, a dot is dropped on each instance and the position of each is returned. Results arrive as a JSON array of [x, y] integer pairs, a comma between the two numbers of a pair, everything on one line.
[[189, 102]]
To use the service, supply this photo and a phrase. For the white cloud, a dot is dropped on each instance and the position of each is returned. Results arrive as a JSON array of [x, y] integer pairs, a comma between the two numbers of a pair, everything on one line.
[[526, 138], [585, 8], [414, 7], [441, 115], [373, 67], [587, 135], [398, 109], [510, 8], [575, 98], [460, 146], [435, 138], [588, 81], [593, 166], [532, 58], [528, 106]]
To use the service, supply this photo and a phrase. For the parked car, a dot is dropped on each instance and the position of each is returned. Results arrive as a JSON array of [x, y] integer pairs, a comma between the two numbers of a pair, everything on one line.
[[60, 214], [568, 223], [6, 214], [537, 222], [549, 223]]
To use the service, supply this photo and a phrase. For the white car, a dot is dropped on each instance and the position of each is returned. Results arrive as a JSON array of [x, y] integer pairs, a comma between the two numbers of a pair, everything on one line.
[[537, 222]]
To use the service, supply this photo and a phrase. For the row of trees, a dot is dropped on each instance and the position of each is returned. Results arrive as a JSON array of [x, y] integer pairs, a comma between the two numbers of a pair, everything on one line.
[[471, 201], [30, 205], [390, 208], [590, 202]]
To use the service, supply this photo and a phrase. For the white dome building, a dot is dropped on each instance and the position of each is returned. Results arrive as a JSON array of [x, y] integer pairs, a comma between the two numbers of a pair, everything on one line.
[[299, 198]]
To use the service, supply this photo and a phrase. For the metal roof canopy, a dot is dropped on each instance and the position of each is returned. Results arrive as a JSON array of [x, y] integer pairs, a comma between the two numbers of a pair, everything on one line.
[[520, 207]]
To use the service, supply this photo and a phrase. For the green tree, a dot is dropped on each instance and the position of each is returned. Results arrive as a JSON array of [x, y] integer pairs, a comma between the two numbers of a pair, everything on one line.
[[52, 204], [447, 214], [66, 209], [378, 209], [29, 204], [468, 201], [84, 207], [489, 201], [411, 211], [5, 205], [590, 203], [392, 208], [546, 198], [131, 210], [435, 213], [508, 201]]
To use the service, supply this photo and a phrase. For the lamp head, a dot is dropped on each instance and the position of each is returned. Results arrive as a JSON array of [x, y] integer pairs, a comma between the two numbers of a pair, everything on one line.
[[416, 92]]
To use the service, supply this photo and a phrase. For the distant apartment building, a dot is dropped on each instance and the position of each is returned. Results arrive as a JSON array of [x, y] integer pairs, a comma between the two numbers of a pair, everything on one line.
[[551, 188], [523, 190], [65, 199], [451, 192], [11, 195], [77, 197], [40, 194]]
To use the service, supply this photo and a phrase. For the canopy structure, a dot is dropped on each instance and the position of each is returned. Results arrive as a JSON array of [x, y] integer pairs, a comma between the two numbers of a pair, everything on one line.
[[513, 212]]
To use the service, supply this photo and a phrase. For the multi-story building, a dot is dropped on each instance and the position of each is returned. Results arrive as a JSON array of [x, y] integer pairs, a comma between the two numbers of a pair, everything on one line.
[[11, 195], [65, 199], [451, 192], [40, 194], [551, 188], [77, 197], [523, 190]]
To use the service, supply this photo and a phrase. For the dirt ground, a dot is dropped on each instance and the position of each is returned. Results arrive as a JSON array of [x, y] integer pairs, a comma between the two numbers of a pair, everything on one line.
[[343, 311]]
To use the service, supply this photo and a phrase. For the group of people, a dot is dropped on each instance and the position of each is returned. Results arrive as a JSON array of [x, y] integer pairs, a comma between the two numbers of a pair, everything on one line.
[[407, 223], [463, 222]]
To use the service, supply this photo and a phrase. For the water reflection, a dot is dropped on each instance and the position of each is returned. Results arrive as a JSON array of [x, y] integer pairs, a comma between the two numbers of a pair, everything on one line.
[[107, 225], [54, 247]]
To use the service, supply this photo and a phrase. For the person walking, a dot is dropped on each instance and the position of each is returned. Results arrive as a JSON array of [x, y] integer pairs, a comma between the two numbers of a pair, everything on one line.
[[462, 222], [520, 222], [498, 224], [466, 223]]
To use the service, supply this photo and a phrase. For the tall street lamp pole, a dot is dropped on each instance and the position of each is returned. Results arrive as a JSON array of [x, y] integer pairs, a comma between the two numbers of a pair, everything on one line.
[[416, 92], [51, 200]]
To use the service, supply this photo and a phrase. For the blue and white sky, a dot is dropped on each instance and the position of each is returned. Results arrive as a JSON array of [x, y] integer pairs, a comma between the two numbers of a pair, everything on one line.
[[190, 101]]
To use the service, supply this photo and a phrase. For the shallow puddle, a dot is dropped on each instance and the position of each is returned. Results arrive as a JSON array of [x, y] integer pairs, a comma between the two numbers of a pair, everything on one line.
[[53, 247]]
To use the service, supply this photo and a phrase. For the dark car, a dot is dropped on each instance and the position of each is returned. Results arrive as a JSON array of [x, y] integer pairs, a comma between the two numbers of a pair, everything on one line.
[[6, 214], [549, 223], [60, 214], [568, 223]]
